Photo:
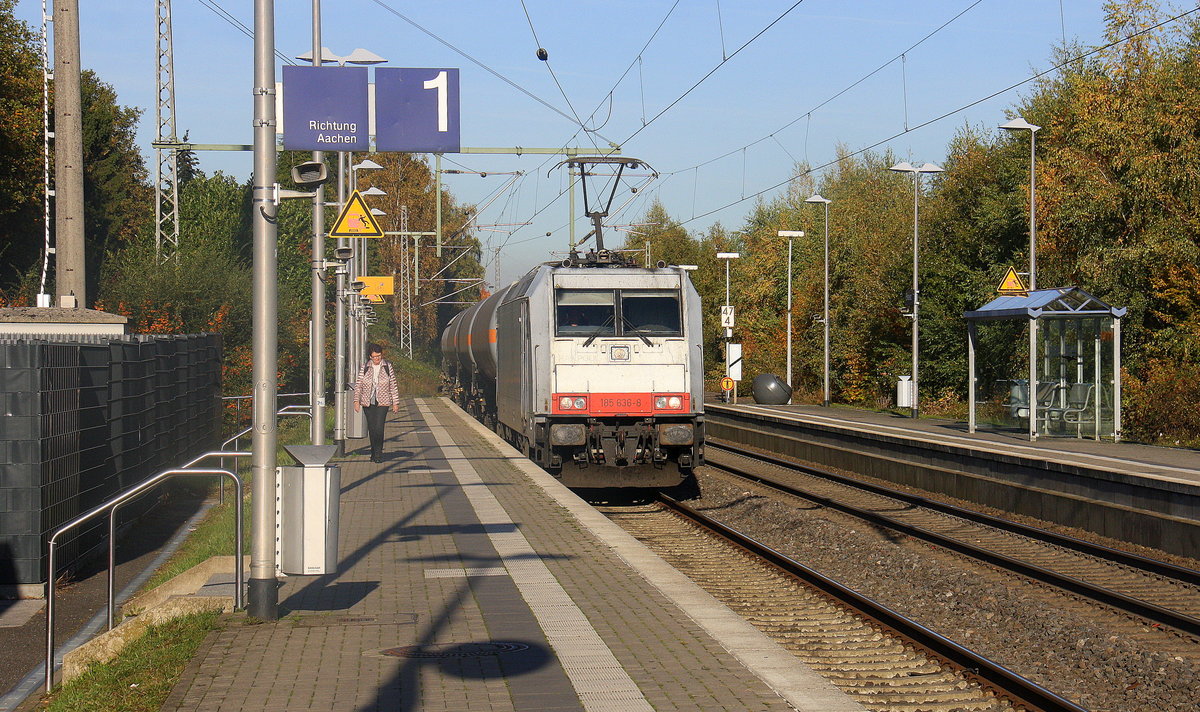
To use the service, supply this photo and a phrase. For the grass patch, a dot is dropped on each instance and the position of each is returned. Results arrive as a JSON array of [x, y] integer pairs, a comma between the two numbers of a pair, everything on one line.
[[141, 678], [416, 378]]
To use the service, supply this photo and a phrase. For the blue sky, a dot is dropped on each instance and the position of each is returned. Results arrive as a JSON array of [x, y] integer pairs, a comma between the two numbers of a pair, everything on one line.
[[815, 51]]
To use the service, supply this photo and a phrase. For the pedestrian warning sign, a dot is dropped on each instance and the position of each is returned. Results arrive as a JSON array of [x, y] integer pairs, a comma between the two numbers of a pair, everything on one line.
[[1012, 283], [356, 220]]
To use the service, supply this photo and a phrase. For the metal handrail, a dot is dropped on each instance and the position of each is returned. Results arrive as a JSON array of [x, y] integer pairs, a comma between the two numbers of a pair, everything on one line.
[[300, 410], [285, 410], [110, 507], [279, 395], [237, 401]]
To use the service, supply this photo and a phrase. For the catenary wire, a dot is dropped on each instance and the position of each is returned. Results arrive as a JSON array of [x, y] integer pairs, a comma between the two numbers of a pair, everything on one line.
[[481, 65], [239, 25], [948, 114], [835, 96], [713, 71], [554, 76]]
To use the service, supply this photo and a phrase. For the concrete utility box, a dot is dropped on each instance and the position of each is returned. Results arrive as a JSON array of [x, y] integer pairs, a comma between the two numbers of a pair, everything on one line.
[[307, 512]]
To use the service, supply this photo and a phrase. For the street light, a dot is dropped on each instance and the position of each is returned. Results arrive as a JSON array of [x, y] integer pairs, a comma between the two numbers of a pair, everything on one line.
[[342, 329], [358, 56], [789, 234], [905, 167], [817, 198], [358, 335], [1020, 124], [365, 165], [318, 57]]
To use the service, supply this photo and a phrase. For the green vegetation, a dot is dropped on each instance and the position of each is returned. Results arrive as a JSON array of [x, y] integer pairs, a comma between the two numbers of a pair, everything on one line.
[[207, 288], [141, 678], [1118, 216], [416, 378]]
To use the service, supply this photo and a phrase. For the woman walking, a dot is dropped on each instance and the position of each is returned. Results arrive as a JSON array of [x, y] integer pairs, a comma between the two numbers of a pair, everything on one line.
[[375, 391]]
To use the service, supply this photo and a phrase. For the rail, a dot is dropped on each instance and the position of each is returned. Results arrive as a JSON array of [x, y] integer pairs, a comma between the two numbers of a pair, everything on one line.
[[110, 507], [988, 672], [1156, 613], [1161, 568]]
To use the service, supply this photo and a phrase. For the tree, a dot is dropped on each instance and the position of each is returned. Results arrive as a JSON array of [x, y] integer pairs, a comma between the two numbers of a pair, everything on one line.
[[21, 143], [1119, 194], [118, 201]]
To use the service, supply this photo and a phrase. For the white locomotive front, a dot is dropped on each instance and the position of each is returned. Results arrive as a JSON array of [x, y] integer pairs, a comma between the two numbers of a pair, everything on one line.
[[594, 371]]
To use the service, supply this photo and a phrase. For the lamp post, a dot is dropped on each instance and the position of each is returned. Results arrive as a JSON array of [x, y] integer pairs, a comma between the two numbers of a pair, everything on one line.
[[343, 328], [817, 198], [316, 342], [1020, 124], [905, 167], [263, 591], [317, 347], [789, 234], [358, 344]]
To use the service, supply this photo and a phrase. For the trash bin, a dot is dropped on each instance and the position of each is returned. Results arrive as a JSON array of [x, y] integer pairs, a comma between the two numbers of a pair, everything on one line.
[[307, 512], [904, 392]]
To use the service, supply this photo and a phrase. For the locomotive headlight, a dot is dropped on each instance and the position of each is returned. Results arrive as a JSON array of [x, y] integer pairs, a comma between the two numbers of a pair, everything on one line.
[[668, 402], [675, 402], [572, 403]]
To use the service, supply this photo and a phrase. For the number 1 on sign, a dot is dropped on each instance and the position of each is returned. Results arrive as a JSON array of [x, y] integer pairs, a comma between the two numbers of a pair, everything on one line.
[[439, 83]]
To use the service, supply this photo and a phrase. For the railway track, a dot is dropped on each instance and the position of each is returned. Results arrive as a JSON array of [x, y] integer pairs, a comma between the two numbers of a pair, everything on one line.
[[884, 660], [1158, 592]]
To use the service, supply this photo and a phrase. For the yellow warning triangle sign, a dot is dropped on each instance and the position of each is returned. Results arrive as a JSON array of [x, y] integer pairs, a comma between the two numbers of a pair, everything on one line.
[[356, 220], [1012, 283]]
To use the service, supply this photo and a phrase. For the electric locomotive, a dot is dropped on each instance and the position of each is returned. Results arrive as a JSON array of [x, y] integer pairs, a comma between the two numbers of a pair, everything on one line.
[[591, 366]]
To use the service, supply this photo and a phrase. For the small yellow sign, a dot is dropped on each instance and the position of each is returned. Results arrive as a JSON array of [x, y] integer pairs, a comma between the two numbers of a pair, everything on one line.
[[374, 298], [378, 285], [1012, 283], [356, 220], [727, 384]]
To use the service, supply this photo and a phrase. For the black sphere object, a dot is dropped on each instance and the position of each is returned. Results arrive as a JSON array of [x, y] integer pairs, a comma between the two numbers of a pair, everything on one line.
[[770, 389], [542, 54]]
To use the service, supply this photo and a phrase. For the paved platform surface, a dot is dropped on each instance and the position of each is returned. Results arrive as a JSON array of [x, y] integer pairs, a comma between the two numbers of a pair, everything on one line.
[[471, 580], [1165, 463]]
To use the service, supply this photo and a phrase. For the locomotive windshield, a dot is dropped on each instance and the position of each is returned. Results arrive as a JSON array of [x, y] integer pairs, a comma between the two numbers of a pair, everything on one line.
[[654, 312], [586, 312], [618, 312]]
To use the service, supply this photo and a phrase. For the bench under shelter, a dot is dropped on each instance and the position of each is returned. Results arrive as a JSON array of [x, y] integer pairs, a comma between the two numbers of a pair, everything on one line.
[[1072, 355]]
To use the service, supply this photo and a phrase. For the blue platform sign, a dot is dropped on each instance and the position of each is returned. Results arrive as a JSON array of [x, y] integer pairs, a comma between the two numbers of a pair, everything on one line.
[[416, 110], [325, 109]]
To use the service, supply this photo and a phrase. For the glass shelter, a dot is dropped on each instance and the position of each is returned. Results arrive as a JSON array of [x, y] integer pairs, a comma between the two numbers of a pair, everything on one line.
[[1066, 343]]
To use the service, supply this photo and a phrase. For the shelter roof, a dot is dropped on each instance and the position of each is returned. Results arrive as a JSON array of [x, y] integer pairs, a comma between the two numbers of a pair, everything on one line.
[[1054, 303]]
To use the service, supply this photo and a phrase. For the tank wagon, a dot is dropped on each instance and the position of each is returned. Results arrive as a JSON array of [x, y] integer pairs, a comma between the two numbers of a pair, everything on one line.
[[593, 369]]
